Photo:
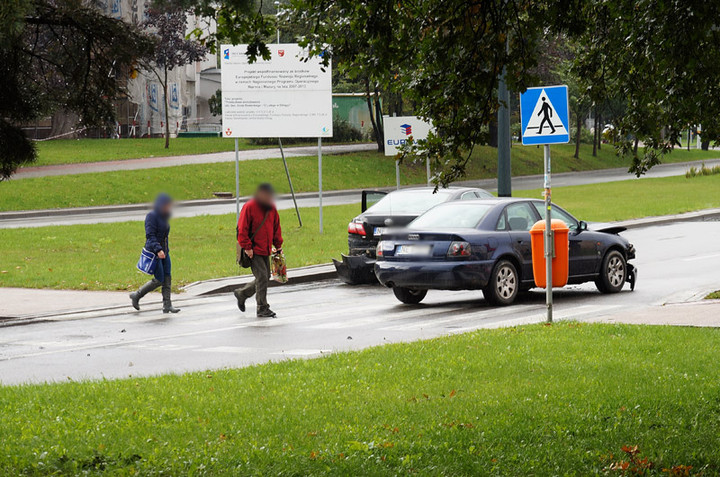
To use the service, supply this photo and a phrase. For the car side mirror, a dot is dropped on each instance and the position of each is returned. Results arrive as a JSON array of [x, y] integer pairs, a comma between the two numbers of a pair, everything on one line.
[[582, 225]]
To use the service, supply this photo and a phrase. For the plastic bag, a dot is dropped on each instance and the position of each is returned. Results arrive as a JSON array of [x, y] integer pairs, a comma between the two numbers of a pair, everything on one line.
[[279, 267]]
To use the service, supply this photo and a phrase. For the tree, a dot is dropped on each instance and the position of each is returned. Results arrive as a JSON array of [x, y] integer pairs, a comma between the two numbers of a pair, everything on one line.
[[59, 56], [171, 50], [638, 52]]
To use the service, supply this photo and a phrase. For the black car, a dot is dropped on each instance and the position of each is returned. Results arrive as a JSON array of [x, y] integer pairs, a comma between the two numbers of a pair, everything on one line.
[[485, 245], [385, 211]]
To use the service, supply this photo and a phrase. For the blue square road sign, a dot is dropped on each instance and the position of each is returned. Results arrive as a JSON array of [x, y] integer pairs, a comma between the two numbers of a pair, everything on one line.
[[544, 115]]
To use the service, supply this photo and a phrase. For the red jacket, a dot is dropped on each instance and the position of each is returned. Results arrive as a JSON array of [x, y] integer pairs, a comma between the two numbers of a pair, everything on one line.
[[251, 216]]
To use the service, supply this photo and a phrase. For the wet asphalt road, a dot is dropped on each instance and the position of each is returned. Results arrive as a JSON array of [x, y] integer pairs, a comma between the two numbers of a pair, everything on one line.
[[676, 263]]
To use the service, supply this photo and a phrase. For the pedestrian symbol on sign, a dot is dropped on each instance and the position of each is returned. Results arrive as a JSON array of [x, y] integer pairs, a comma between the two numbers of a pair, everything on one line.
[[548, 120]]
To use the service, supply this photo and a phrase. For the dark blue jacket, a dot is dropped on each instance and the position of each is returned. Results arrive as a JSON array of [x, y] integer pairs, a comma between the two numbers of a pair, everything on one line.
[[157, 227]]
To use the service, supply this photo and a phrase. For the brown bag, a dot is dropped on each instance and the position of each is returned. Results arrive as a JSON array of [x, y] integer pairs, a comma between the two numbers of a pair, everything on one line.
[[242, 258]]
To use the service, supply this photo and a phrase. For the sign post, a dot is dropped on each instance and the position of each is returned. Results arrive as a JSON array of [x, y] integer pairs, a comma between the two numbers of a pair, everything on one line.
[[545, 120]]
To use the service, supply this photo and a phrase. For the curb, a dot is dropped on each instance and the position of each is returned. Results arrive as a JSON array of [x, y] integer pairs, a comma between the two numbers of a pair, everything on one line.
[[297, 276]]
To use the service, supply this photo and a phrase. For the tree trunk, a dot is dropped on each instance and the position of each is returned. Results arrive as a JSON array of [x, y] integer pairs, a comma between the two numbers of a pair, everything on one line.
[[376, 128], [167, 111], [595, 133], [704, 145], [635, 147], [579, 121], [62, 123], [600, 130]]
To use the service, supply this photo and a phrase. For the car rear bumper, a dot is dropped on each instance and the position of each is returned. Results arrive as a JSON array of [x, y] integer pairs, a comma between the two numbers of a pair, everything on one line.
[[431, 275]]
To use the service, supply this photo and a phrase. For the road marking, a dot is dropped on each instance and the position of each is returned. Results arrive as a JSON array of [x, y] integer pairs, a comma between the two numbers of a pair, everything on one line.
[[228, 349], [701, 257], [303, 352]]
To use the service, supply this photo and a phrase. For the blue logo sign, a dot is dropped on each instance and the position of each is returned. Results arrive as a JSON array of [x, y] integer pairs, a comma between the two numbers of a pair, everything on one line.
[[544, 115], [226, 53], [406, 129]]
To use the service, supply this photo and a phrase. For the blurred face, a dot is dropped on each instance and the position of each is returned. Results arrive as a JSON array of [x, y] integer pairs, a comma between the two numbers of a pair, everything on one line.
[[167, 209], [265, 197]]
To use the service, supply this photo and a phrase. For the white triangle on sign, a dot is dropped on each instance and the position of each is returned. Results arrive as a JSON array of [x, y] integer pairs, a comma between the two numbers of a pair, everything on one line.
[[545, 117]]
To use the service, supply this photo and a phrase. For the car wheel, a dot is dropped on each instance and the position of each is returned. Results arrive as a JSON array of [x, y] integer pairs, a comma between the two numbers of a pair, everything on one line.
[[504, 284], [408, 296], [613, 273]]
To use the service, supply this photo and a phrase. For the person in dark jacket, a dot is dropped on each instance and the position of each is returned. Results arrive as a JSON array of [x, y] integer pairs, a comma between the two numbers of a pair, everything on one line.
[[258, 231], [157, 230]]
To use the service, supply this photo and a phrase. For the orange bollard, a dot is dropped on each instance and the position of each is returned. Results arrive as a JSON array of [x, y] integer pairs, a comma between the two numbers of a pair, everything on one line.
[[561, 253]]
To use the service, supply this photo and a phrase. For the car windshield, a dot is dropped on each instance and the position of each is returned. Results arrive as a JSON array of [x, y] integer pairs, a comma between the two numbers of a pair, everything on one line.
[[450, 216], [409, 202]]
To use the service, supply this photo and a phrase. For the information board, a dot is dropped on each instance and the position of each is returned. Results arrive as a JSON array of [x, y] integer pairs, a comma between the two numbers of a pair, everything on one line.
[[285, 96]]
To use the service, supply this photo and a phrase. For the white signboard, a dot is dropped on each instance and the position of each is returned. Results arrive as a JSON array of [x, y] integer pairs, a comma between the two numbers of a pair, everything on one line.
[[281, 97], [399, 128]]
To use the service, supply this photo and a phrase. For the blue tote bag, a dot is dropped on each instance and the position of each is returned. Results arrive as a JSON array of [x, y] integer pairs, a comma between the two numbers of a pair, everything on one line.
[[147, 262]]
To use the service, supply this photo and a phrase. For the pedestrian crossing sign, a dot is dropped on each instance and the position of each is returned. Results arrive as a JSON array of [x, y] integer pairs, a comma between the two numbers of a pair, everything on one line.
[[544, 115]]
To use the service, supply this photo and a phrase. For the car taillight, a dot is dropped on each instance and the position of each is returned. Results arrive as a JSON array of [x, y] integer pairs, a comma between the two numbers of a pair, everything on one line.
[[459, 249], [379, 250], [356, 228]]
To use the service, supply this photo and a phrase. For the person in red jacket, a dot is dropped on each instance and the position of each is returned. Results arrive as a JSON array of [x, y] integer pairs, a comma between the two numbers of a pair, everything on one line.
[[258, 231]]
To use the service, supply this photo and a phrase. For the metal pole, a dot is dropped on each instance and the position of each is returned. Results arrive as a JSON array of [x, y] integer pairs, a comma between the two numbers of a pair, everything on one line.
[[320, 182], [287, 173], [548, 236], [397, 173], [277, 20], [503, 137], [237, 181], [427, 167]]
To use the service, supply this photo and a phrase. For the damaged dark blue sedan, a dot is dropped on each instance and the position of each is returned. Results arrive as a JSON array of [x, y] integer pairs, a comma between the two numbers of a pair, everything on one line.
[[485, 245]]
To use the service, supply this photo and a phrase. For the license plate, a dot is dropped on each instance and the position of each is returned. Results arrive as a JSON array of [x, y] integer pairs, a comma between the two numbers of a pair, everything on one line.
[[423, 250], [379, 231]]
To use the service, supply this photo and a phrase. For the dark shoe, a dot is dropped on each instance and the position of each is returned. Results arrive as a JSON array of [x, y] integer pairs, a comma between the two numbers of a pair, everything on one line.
[[167, 302], [240, 300], [268, 313], [144, 290]]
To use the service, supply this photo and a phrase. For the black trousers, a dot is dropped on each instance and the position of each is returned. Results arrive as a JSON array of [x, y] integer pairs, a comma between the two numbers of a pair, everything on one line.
[[260, 266]]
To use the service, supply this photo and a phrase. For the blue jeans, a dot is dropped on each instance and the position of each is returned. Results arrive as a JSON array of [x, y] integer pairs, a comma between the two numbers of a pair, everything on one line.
[[163, 268]]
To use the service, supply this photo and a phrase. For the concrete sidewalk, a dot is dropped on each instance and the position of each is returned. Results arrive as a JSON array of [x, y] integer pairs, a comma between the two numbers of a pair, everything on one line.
[[157, 162], [705, 313]]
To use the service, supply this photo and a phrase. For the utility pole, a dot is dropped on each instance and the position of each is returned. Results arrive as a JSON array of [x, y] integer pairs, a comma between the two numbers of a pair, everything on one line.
[[503, 132]]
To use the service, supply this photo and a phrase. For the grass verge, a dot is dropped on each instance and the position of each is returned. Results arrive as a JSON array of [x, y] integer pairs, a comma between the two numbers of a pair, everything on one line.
[[102, 256], [74, 151], [519, 401], [339, 172], [713, 296]]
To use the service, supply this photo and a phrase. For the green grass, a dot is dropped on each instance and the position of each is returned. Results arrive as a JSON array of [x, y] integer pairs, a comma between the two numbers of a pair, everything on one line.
[[339, 172], [713, 296], [102, 256], [73, 151], [534, 400]]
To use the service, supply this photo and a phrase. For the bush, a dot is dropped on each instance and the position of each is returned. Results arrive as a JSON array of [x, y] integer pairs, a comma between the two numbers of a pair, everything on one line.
[[703, 171], [343, 131]]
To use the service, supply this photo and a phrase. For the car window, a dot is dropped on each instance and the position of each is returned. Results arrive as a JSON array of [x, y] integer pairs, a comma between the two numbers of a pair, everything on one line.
[[411, 202], [557, 213], [502, 223], [468, 196], [483, 194], [451, 216], [520, 217]]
